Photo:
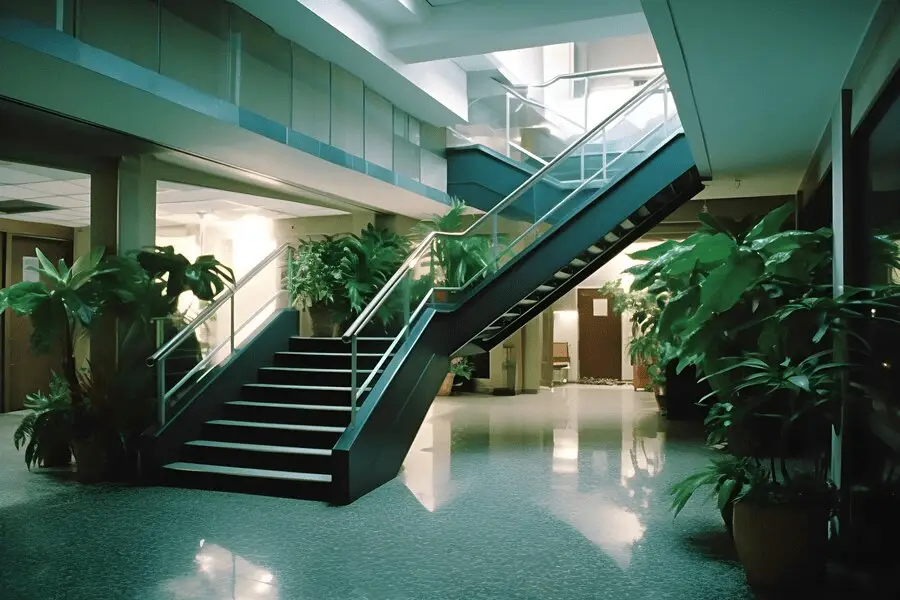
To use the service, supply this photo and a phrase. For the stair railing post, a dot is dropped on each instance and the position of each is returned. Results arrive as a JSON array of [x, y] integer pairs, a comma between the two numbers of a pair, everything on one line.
[[407, 301], [586, 94], [665, 91], [604, 154], [231, 303], [353, 383], [290, 276], [161, 373], [495, 238], [508, 128]]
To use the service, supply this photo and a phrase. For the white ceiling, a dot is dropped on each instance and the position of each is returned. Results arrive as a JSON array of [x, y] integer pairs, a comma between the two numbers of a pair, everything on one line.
[[177, 203], [756, 82]]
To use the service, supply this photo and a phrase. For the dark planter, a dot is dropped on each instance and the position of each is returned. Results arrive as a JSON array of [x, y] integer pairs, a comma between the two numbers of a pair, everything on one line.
[[660, 396], [91, 459], [56, 454], [683, 392], [322, 323], [781, 546]]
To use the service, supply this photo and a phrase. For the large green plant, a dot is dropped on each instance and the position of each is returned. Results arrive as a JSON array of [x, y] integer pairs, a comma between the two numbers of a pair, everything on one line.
[[317, 279], [46, 431], [368, 262], [454, 261], [644, 309]]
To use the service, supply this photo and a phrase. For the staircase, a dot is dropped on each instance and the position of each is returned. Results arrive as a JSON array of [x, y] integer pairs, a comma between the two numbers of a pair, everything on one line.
[[276, 437], [334, 418]]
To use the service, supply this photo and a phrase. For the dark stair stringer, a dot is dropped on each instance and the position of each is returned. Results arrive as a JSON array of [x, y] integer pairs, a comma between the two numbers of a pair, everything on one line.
[[372, 452]]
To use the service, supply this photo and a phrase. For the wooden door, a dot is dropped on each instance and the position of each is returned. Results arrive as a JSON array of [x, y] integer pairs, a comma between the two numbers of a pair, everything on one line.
[[24, 371], [599, 337]]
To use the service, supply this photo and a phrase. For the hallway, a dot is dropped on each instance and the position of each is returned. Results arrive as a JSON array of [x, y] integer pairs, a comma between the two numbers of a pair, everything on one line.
[[557, 495]]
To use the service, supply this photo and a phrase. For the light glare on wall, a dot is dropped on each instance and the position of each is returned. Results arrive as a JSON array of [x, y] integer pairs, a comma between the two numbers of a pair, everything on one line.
[[567, 315]]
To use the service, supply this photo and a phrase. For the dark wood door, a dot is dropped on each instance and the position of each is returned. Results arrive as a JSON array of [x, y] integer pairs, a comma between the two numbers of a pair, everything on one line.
[[25, 371], [599, 336]]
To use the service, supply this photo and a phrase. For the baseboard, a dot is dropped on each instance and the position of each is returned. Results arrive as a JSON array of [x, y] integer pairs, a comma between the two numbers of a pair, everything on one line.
[[529, 391]]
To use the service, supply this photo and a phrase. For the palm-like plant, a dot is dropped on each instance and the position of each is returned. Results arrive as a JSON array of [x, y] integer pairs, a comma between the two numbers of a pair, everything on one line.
[[727, 476], [46, 432], [369, 260], [455, 260]]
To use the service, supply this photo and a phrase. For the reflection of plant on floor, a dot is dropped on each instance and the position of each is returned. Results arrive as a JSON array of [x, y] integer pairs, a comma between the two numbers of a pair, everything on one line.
[[46, 432]]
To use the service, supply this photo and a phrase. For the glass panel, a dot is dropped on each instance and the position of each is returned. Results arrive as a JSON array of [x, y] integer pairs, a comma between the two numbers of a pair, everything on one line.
[[347, 120], [312, 95], [127, 28], [379, 137], [194, 45], [265, 68]]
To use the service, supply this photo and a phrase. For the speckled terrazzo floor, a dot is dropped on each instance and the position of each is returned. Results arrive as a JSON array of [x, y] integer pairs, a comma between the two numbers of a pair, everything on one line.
[[558, 495]]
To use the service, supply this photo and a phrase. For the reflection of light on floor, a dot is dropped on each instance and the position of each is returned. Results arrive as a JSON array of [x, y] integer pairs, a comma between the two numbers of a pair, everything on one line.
[[565, 451], [223, 574], [426, 470], [611, 528]]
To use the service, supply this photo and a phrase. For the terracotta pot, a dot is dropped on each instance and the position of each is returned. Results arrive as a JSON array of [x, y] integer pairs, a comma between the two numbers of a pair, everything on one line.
[[322, 323], [91, 459], [641, 378], [781, 545], [446, 386]]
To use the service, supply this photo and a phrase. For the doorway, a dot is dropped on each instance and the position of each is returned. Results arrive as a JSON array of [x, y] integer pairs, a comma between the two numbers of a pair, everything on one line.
[[599, 337], [24, 371]]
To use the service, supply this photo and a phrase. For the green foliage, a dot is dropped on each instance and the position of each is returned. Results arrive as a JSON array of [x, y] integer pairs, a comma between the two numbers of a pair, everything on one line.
[[317, 278], [454, 261], [205, 278], [370, 259], [644, 309], [462, 368], [728, 476], [48, 427]]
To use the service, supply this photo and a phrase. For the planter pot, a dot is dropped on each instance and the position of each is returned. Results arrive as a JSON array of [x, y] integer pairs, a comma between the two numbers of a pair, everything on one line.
[[91, 459], [322, 323], [660, 395], [441, 296], [683, 392], [781, 545], [57, 454], [641, 378], [446, 386]]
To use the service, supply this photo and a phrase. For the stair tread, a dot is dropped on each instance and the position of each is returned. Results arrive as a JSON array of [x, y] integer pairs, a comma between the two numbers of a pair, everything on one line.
[[292, 406], [247, 472], [290, 386], [310, 369], [260, 447], [330, 353], [287, 426]]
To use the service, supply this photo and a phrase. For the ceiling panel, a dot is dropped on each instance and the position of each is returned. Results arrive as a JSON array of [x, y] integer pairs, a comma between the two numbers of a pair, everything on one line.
[[20, 193]]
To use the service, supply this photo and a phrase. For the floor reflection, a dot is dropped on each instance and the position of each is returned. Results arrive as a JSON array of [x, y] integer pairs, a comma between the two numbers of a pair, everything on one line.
[[222, 574], [575, 438]]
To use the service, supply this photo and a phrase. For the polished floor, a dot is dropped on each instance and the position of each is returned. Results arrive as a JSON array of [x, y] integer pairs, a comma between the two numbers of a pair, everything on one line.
[[558, 495]]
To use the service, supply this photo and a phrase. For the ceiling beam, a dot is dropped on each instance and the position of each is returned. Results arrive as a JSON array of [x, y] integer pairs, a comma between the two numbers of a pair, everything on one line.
[[469, 28]]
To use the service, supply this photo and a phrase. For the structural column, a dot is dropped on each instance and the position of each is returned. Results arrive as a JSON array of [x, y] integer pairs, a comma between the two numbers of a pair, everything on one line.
[[532, 355], [123, 218]]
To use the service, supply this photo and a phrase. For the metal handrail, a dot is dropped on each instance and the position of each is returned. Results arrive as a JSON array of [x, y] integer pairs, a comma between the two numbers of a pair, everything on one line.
[[369, 311], [512, 91], [204, 315], [596, 73]]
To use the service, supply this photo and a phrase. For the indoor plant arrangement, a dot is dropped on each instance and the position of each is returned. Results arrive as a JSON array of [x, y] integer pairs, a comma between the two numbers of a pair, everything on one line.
[[336, 276], [460, 367], [46, 432], [108, 405]]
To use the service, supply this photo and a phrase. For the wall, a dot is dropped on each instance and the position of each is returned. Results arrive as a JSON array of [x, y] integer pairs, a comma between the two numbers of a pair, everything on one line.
[[565, 310], [221, 50]]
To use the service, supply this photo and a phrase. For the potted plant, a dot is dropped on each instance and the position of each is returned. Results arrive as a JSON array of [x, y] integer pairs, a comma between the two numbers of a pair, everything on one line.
[[726, 476], [454, 261], [317, 283], [369, 260], [46, 432]]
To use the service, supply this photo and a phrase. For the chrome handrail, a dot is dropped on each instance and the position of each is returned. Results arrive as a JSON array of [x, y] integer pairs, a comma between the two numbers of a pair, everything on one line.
[[596, 73], [519, 96], [372, 307], [216, 304]]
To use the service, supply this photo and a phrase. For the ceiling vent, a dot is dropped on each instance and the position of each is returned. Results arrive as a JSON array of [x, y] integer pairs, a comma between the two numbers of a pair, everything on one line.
[[15, 207]]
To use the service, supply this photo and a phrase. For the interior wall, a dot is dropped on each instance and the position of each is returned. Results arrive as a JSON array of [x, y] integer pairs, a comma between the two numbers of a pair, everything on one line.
[[565, 310]]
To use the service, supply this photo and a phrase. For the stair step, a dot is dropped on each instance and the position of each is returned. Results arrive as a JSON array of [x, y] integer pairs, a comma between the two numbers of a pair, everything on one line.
[[643, 212], [327, 360], [245, 472], [285, 426], [527, 302], [611, 237], [509, 315], [594, 250], [305, 376], [277, 434], [298, 394], [260, 448], [258, 456], [288, 413], [577, 262], [561, 275], [337, 345], [626, 224], [545, 288]]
